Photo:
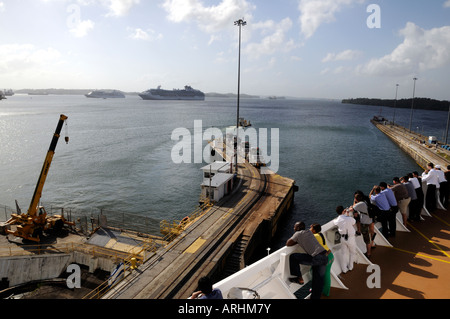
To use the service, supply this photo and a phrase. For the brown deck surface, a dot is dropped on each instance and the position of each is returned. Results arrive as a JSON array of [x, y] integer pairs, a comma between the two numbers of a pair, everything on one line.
[[417, 267]]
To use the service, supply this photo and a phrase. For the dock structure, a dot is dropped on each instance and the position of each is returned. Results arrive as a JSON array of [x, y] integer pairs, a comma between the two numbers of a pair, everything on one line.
[[414, 144], [219, 242]]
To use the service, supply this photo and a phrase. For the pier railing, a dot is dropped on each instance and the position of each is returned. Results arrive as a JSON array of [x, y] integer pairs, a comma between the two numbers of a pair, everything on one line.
[[67, 248], [171, 230], [87, 222]]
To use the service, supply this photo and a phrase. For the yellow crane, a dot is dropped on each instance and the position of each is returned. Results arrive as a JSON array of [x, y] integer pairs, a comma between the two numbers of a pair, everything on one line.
[[32, 224]]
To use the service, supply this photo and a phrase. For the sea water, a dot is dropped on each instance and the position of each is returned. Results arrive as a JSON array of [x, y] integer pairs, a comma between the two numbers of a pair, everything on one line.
[[119, 155]]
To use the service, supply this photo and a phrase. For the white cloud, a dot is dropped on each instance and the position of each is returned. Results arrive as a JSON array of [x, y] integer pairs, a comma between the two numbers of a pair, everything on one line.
[[447, 4], [26, 61], [313, 13], [208, 18], [82, 28], [118, 8], [2, 7], [146, 35], [346, 55], [421, 50], [273, 42], [212, 39]]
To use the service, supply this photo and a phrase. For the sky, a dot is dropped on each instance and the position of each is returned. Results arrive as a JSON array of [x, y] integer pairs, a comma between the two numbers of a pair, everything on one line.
[[330, 49]]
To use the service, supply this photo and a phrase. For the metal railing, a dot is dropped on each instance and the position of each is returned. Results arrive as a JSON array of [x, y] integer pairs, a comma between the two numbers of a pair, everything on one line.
[[87, 222], [94, 251], [171, 230]]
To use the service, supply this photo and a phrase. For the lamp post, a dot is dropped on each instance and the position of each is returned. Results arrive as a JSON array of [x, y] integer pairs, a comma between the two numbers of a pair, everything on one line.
[[448, 123], [412, 104], [240, 23], [395, 102]]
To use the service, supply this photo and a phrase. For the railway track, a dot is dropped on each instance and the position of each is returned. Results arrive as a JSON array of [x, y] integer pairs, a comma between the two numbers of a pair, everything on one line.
[[173, 273]]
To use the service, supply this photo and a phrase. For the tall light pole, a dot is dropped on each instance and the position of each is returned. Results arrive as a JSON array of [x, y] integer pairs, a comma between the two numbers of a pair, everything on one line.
[[395, 103], [240, 23], [412, 104], [448, 124]]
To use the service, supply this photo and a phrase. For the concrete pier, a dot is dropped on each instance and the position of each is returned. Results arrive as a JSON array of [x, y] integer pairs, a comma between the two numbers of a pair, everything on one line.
[[221, 240], [415, 145]]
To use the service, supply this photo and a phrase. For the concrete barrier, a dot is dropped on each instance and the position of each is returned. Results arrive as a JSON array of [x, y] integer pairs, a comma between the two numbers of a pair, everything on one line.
[[23, 269]]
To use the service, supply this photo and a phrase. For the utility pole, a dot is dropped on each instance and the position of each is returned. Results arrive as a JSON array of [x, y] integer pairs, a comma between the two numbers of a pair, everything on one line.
[[395, 103], [448, 124], [239, 23], [412, 104]]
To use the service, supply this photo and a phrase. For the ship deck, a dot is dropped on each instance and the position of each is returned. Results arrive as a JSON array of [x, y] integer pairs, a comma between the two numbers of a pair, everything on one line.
[[416, 267]]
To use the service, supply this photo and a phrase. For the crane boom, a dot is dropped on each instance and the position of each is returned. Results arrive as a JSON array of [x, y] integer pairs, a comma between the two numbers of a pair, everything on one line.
[[31, 225], [45, 168]]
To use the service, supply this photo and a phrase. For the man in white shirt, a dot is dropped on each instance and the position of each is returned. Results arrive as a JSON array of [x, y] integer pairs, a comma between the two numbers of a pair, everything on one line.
[[442, 186], [413, 177], [347, 231], [430, 176]]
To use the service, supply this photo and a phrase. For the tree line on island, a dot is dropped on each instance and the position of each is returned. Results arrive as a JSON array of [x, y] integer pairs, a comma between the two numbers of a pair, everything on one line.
[[419, 103]]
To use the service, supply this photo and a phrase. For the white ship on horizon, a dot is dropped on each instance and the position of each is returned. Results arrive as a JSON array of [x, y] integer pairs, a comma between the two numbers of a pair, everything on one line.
[[105, 94], [187, 94]]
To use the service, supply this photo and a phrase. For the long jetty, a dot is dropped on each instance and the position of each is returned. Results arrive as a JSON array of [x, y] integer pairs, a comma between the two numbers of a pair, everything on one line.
[[220, 242], [414, 144]]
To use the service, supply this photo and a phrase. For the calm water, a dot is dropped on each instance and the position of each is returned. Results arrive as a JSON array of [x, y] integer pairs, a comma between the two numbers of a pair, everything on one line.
[[119, 155]]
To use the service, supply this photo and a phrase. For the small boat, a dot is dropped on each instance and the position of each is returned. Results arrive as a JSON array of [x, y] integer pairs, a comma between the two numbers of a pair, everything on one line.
[[244, 123]]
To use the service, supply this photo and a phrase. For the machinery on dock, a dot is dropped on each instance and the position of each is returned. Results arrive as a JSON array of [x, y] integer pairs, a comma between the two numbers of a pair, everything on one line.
[[32, 224]]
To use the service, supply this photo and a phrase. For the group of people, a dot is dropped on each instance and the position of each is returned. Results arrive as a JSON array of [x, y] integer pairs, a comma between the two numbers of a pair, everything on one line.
[[404, 195]]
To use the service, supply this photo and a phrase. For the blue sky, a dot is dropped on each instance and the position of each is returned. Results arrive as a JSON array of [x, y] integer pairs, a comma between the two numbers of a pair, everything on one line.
[[300, 48]]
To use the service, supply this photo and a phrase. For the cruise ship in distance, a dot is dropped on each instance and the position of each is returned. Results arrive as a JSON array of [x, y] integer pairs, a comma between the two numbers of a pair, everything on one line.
[[105, 94], [187, 94]]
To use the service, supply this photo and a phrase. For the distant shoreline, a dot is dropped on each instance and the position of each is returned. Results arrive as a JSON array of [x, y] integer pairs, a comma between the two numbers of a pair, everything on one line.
[[86, 91], [419, 103]]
